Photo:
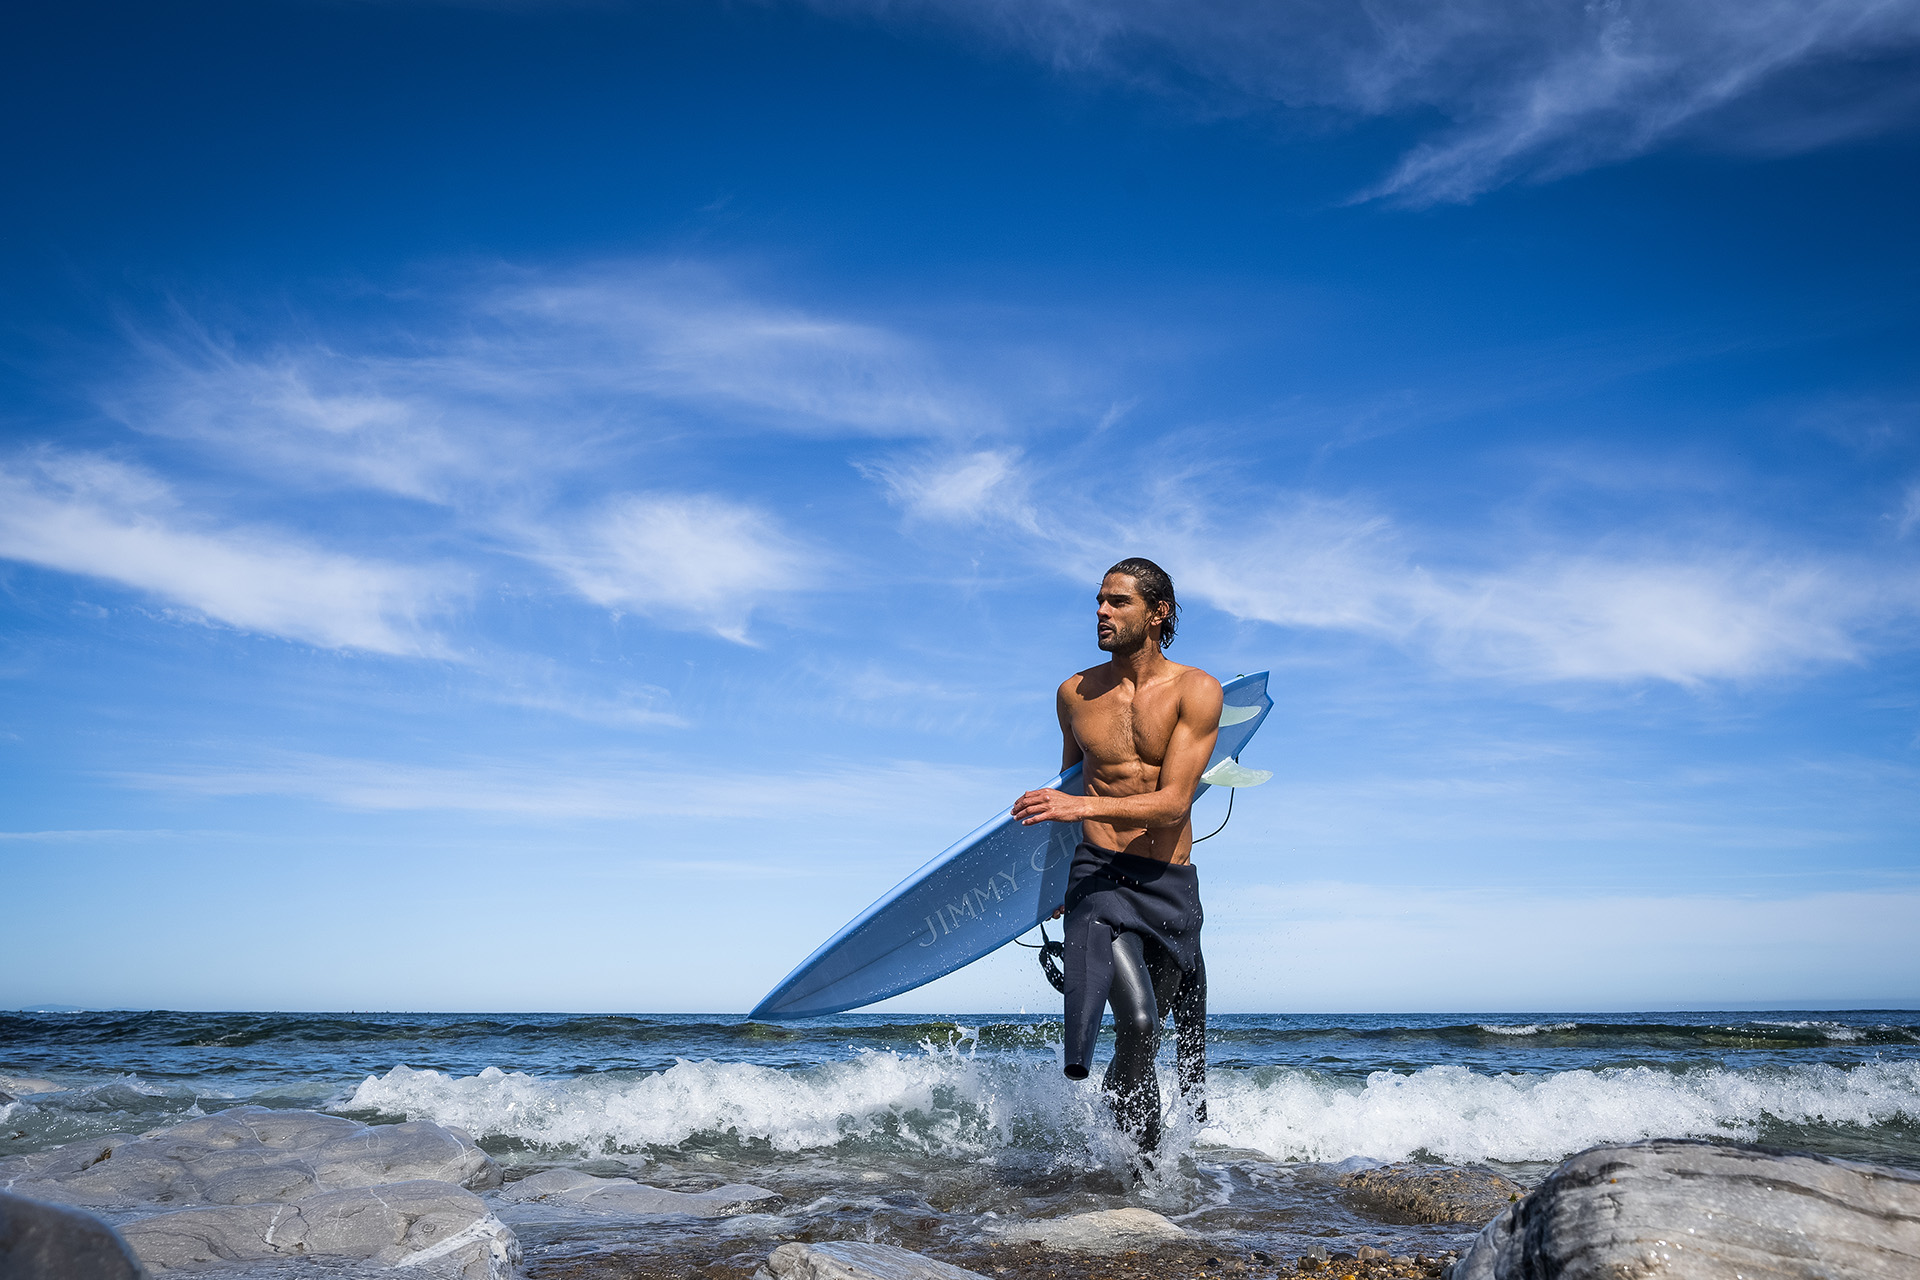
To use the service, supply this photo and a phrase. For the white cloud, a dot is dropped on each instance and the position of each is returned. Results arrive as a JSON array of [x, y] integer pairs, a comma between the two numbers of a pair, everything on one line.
[[522, 386], [622, 788], [1676, 610], [305, 414], [958, 488], [1533, 90], [693, 559], [690, 337], [625, 705], [513, 382], [1652, 611], [1683, 620], [85, 514], [1909, 511]]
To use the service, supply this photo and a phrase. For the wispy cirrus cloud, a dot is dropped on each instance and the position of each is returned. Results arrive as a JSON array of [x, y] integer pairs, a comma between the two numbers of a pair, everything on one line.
[[1681, 608], [1648, 611], [958, 487], [694, 559], [95, 516], [611, 787], [691, 337], [1531, 90], [513, 378], [521, 396]]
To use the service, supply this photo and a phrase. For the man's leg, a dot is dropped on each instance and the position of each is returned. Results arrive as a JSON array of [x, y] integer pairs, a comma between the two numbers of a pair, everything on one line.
[[1089, 966], [1189, 1006], [1133, 1090]]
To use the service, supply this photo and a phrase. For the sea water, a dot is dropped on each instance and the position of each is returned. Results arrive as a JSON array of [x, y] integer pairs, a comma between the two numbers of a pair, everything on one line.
[[921, 1129]]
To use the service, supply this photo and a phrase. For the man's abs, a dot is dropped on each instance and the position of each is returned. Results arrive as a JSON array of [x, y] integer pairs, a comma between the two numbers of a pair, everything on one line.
[[1166, 844]]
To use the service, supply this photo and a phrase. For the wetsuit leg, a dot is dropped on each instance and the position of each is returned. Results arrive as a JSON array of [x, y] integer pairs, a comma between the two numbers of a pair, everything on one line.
[[1189, 1006], [1133, 1090], [1089, 965]]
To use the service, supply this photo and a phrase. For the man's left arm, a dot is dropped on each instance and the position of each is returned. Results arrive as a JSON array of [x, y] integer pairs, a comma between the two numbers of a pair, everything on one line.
[[1195, 730]]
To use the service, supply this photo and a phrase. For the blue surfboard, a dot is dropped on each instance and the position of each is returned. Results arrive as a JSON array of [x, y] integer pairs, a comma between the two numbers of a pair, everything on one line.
[[979, 894]]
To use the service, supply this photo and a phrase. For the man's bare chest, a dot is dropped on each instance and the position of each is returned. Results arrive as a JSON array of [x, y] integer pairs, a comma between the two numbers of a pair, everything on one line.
[[1114, 728]]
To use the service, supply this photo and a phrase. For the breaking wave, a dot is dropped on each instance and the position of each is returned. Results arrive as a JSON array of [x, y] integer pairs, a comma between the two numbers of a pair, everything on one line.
[[946, 1103]]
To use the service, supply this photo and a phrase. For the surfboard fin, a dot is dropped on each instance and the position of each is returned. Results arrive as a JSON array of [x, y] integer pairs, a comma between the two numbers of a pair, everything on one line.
[[1231, 773]]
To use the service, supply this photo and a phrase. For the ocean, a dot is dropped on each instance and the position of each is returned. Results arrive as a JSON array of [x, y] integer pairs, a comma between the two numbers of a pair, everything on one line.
[[914, 1130]]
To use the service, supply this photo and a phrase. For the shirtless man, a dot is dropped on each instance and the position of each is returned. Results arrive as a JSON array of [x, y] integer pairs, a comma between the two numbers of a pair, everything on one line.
[[1144, 727]]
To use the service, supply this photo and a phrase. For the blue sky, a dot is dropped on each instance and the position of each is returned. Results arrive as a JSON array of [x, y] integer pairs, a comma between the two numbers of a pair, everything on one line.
[[548, 506]]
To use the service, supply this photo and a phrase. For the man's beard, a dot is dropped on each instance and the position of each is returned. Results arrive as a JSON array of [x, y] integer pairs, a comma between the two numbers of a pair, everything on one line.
[[1120, 640]]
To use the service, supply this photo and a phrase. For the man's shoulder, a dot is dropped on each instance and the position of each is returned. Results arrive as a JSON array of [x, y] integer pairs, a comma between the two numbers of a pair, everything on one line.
[[1189, 677], [1195, 682], [1072, 686]]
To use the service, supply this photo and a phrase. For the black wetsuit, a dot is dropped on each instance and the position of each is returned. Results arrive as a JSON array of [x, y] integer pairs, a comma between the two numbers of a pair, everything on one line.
[[1133, 939]]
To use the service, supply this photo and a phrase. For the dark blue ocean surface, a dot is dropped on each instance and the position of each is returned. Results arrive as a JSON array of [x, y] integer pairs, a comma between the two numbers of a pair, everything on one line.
[[973, 1114]]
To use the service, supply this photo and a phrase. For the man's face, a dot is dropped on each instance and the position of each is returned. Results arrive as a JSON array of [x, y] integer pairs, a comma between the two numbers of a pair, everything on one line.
[[1124, 623]]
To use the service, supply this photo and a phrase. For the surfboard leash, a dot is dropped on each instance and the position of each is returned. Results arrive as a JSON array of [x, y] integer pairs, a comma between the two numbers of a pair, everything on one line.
[[1231, 792], [1052, 958]]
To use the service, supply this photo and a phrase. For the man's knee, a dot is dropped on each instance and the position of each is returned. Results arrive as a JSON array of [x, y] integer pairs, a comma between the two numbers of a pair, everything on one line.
[[1134, 1024]]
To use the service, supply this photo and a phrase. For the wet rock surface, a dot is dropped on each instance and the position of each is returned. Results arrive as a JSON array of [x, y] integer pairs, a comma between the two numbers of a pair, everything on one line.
[[1684, 1210], [1409, 1193], [1189, 1259], [40, 1241], [1103, 1231], [247, 1155], [258, 1192], [857, 1260], [572, 1189], [404, 1224]]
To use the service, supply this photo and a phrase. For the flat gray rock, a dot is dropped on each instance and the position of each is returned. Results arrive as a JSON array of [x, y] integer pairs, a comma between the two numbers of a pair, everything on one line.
[[857, 1260], [1683, 1210], [273, 1193], [247, 1155], [1102, 1231], [49, 1242], [1407, 1193], [577, 1190], [444, 1229]]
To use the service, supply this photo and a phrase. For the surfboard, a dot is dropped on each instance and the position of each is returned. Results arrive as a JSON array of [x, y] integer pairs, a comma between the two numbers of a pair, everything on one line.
[[980, 893]]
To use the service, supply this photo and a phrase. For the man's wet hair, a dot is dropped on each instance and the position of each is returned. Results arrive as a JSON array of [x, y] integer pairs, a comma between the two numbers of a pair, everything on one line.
[[1155, 588]]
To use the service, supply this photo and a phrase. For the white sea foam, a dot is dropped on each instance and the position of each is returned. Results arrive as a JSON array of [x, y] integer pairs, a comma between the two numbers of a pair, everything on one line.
[[1458, 1115], [1525, 1028], [938, 1102], [1837, 1031], [945, 1104]]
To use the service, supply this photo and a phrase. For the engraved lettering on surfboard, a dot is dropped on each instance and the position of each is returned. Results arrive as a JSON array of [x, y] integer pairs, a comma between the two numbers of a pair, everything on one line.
[[971, 904]]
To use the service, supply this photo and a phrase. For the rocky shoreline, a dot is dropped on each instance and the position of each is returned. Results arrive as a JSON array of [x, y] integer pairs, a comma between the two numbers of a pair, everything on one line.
[[252, 1193]]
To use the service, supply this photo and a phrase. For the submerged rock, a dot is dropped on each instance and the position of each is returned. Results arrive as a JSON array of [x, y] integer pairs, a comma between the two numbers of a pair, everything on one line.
[[436, 1225], [247, 1155], [623, 1195], [48, 1242], [1408, 1193], [856, 1260], [1103, 1231], [1689, 1210]]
